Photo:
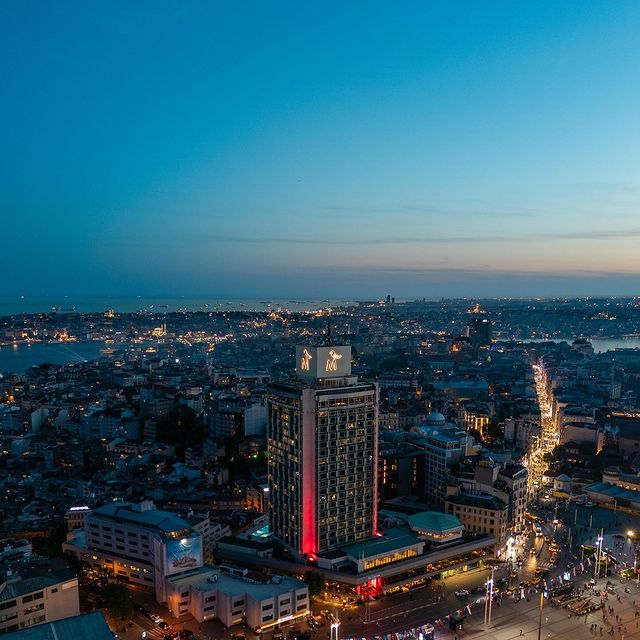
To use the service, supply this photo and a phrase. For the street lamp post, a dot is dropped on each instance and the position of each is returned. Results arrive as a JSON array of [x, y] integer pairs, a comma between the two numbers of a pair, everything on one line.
[[632, 547], [599, 554], [489, 600], [540, 617]]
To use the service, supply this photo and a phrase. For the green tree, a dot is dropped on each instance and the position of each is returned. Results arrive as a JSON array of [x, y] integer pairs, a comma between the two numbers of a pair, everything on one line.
[[587, 449], [493, 431], [315, 581], [116, 599]]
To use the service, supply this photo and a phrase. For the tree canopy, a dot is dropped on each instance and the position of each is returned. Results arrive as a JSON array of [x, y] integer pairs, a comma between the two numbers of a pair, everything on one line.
[[116, 599], [315, 581]]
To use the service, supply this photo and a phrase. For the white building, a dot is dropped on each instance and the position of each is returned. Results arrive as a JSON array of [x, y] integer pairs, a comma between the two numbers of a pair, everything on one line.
[[139, 543], [231, 594], [36, 593], [75, 517]]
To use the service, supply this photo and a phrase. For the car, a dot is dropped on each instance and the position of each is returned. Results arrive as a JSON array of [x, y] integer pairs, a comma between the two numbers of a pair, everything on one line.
[[592, 582], [186, 634], [480, 589], [162, 624], [461, 593], [171, 636]]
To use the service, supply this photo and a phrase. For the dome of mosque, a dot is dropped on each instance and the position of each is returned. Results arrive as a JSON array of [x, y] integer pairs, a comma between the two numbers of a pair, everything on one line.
[[435, 419]]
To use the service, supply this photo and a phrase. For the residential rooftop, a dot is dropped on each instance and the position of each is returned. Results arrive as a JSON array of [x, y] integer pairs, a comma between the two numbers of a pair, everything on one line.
[[163, 521], [209, 578]]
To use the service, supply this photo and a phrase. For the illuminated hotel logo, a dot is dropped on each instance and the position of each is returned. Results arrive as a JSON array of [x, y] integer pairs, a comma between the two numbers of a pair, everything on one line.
[[323, 362], [332, 361], [305, 361]]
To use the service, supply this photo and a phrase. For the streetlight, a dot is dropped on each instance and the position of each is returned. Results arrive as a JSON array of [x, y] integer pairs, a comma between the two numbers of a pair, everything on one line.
[[489, 600], [632, 547], [542, 593], [599, 544], [510, 553]]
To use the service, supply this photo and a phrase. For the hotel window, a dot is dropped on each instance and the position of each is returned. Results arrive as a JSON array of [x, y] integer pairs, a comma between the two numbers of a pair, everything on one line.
[[8, 616], [35, 607]]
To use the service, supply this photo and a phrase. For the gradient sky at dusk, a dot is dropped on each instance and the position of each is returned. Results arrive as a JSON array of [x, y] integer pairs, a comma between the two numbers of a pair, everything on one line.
[[320, 149]]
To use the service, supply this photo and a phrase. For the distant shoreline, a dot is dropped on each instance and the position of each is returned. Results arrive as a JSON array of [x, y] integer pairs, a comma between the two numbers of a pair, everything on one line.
[[18, 357], [12, 306]]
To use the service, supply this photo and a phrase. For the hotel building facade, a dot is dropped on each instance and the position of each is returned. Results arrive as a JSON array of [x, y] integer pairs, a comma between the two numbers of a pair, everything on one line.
[[322, 454]]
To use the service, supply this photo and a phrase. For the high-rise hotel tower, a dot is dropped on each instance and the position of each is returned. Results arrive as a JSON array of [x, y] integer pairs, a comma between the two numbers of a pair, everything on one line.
[[323, 445]]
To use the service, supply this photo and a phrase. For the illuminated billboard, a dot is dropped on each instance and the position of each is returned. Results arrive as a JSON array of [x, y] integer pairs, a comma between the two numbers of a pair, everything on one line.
[[323, 362], [183, 554]]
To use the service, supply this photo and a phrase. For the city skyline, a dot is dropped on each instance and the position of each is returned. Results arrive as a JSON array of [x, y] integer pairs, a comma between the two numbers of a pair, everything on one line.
[[438, 149]]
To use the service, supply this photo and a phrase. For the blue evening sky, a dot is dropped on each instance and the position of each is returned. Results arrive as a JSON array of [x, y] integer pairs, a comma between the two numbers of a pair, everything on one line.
[[320, 148]]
